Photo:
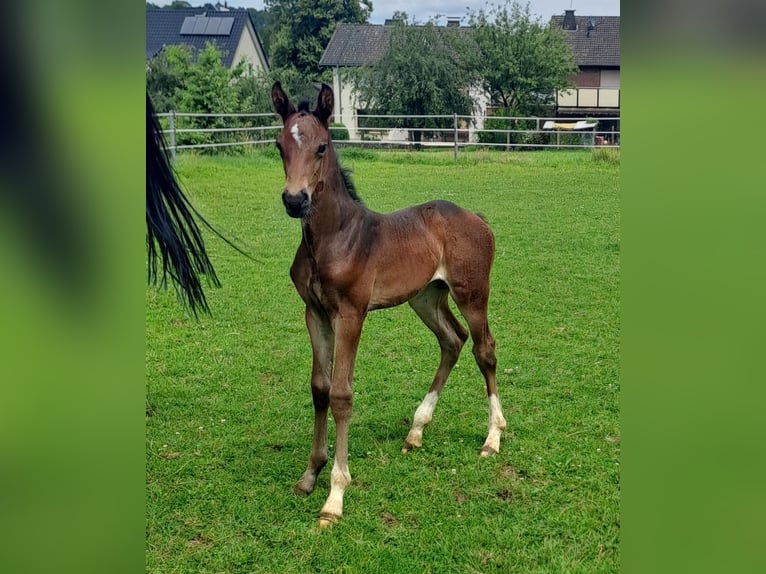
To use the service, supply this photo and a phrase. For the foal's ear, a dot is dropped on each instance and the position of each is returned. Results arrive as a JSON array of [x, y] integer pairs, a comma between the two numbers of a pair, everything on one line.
[[325, 103], [281, 102]]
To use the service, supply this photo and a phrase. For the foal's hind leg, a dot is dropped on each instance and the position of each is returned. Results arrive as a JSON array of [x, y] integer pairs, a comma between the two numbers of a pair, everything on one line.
[[432, 307], [473, 306], [322, 344]]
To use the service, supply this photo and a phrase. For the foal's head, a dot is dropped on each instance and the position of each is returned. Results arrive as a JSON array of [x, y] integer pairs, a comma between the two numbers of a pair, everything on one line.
[[303, 143]]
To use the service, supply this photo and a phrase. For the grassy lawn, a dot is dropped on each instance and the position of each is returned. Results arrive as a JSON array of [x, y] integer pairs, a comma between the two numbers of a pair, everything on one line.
[[229, 415]]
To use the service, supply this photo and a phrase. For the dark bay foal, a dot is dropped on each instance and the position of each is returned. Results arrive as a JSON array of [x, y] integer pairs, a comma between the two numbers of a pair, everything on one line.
[[352, 260]]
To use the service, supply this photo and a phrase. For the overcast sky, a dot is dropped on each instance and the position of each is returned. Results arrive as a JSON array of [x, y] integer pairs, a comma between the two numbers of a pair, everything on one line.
[[422, 10]]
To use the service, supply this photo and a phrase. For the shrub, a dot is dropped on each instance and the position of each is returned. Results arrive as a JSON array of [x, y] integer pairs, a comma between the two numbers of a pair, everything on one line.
[[339, 132], [573, 138], [181, 80], [501, 121], [166, 76]]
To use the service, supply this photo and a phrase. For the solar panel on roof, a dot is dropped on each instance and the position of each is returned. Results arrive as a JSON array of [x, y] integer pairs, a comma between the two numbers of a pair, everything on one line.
[[224, 25], [212, 26], [188, 26], [200, 25], [205, 26]]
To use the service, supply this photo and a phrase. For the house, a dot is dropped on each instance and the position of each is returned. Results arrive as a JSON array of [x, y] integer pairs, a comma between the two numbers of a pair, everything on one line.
[[351, 46], [357, 45], [595, 43], [232, 31]]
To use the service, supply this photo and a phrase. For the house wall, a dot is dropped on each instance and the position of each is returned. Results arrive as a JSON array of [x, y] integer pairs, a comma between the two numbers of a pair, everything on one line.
[[587, 77], [247, 49], [345, 103], [595, 77], [610, 78], [481, 99]]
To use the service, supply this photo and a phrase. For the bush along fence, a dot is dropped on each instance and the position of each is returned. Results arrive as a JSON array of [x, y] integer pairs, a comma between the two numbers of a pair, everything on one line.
[[232, 133]]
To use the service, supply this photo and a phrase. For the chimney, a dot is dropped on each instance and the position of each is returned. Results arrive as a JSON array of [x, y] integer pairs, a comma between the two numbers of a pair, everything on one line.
[[569, 20], [453, 22]]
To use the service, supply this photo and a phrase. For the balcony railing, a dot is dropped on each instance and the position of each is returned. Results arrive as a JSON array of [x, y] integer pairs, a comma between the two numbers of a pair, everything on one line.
[[588, 98]]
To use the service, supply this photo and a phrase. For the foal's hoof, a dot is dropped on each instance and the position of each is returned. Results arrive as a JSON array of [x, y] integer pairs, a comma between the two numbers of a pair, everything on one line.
[[301, 491], [409, 445], [327, 520], [304, 487], [487, 451]]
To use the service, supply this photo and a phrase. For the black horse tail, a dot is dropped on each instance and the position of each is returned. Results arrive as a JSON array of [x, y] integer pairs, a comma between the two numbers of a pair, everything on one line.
[[172, 235]]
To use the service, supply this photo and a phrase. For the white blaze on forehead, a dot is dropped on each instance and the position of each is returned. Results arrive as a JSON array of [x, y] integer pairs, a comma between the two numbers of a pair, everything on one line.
[[296, 134]]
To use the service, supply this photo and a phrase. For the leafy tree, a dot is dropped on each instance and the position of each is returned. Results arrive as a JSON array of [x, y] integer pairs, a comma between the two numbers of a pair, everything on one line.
[[400, 16], [426, 69], [175, 82], [252, 90], [179, 5], [264, 23], [165, 77], [208, 88], [523, 61], [301, 33]]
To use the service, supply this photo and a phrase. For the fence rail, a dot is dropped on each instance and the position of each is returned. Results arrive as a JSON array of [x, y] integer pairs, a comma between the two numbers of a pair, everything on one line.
[[202, 131]]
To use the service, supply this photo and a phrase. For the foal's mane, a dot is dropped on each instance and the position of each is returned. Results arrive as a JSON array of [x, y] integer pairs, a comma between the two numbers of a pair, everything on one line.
[[345, 174]]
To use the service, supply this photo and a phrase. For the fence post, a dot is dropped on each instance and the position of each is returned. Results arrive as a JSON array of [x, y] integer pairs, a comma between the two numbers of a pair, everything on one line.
[[455, 133], [173, 136]]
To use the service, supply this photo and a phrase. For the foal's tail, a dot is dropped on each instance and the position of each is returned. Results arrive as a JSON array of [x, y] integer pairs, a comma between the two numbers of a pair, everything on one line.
[[172, 234]]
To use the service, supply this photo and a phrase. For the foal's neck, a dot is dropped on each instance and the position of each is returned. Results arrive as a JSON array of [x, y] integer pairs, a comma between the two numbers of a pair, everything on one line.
[[336, 211], [337, 197]]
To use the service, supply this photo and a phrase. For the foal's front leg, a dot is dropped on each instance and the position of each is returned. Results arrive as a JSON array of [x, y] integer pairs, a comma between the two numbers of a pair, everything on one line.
[[322, 345], [348, 328]]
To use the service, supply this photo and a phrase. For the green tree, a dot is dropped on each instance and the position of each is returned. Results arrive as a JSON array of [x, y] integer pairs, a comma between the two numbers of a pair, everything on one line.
[[252, 90], [264, 23], [208, 88], [177, 83], [302, 29], [523, 61], [426, 69], [400, 16], [166, 77]]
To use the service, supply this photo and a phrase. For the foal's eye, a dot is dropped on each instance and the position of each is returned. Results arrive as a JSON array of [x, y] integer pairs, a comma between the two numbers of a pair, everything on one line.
[[321, 149]]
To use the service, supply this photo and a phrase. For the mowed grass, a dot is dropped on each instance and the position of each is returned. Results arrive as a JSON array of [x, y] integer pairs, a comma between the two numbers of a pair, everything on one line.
[[229, 413]]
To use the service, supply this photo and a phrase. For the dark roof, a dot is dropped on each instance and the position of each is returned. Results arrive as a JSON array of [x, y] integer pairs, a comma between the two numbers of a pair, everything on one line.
[[600, 47], [362, 44], [365, 44], [163, 28], [356, 45]]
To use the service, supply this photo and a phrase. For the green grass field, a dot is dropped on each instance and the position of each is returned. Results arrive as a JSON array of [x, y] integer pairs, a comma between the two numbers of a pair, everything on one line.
[[229, 415]]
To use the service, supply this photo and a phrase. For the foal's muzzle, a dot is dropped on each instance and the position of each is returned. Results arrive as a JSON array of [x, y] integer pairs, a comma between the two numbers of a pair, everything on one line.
[[296, 204]]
